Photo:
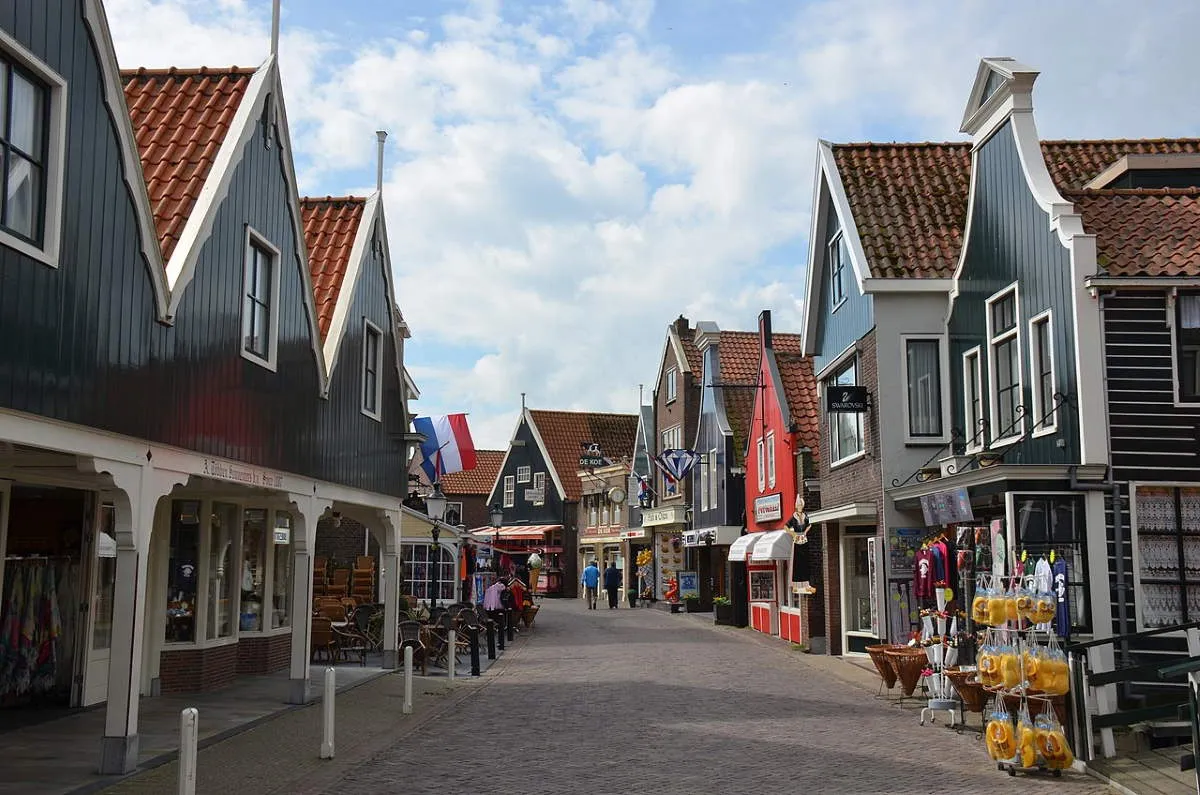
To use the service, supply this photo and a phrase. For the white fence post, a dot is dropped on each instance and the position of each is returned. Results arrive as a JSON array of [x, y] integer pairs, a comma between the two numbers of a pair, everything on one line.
[[327, 708], [408, 675], [189, 735], [451, 661]]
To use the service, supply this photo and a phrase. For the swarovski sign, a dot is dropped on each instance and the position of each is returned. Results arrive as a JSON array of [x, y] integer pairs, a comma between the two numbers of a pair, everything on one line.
[[841, 399]]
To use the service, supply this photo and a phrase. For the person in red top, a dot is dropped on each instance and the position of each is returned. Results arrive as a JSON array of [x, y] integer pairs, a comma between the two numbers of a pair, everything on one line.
[[518, 602]]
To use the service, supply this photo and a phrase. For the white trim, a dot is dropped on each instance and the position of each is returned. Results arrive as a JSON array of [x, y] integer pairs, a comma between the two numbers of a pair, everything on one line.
[[54, 168], [769, 443], [981, 114], [359, 250], [837, 361], [1035, 366], [850, 459], [132, 172], [1136, 161], [760, 460], [377, 414], [1170, 304], [1133, 538], [992, 340], [545, 451], [849, 511], [973, 423], [818, 222], [911, 284], [996, 474], [966, 240], [1158, 282], [943, 387], [255, 240]]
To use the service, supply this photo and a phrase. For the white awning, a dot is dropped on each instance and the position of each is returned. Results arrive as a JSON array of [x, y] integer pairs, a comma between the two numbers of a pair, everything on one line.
[[775, 545], [739, 550]]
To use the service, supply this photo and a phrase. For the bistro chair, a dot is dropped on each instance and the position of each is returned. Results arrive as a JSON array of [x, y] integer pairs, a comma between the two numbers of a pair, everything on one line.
[[462, 643], [322, 640], [410, 636], [340, 584], [368, 620], [350, 642]]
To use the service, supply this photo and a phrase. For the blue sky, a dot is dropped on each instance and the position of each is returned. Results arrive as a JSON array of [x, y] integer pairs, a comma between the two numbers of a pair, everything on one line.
[[564, 178]]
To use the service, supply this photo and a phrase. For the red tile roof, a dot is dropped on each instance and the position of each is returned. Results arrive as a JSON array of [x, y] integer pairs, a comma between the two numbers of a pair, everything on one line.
[[910, 204], [1073, 164], [800, 390], [478, 480], [740, 358], [564, 433], [1143, 232], [180, 118], [330, 225], [695, 361]]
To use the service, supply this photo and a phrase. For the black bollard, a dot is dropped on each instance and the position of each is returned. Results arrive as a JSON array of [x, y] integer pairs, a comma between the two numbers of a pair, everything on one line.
[[500, 632], [491, 639], [510, 627], [475, 651]]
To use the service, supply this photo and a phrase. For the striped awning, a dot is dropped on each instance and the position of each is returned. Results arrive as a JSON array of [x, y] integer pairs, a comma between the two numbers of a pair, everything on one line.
[[523, 532]]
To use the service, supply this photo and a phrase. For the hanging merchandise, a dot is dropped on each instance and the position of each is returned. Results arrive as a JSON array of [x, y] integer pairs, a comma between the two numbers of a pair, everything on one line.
[[1062, 615], [1001, 742], [31, 628]]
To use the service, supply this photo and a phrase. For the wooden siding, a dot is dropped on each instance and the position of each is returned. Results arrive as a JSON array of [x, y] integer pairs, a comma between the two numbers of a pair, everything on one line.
[[82, 342], [1011, 241], [838, 329], [710, 436], [526, 453]]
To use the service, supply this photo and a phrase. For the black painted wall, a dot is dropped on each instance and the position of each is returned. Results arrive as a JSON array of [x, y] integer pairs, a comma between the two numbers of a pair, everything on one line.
[[80, 343], [524, 451]]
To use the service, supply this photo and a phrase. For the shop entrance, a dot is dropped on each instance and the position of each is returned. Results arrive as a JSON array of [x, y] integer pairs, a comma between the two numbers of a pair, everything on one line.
[[56, 597], [860, 604]]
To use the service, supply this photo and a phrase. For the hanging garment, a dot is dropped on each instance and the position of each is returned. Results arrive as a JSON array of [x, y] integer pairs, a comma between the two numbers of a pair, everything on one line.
[[923, 574], [937, 554], [1043, 582], [1062, 615], [999, 556]]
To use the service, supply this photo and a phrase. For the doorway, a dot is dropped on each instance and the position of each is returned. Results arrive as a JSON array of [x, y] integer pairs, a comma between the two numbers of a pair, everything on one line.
[[102, 584], [860, 604]]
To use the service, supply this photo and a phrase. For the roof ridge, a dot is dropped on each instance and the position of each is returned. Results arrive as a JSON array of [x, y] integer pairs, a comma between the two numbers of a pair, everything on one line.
[[903, 144], [332, 199], [1083, 193], [1119, 140], [585, 411], [194, 71]]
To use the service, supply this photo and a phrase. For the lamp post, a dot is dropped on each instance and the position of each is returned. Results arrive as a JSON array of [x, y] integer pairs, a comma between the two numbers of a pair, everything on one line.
[[435, 509], [497, 517], [708, 544]]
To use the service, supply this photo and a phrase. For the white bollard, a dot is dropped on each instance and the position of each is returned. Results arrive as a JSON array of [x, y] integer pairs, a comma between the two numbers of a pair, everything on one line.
[[189, 735], [327, 707], [452, 638], [408, 675]]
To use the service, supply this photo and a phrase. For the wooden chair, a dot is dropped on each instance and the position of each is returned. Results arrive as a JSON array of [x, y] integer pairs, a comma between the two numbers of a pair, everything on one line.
[[410, 635], [363, 578], [462, 642], [340, 584], [320, 576], [333, 611], [322, 640]]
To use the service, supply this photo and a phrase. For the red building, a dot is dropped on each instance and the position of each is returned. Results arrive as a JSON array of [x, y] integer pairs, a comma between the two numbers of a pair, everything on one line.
[[783, 433]]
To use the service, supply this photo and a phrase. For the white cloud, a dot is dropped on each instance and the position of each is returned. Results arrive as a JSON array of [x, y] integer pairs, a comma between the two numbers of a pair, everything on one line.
[[560, 186]]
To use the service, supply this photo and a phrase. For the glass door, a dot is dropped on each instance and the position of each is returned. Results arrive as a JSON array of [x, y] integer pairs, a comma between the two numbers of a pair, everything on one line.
[[102, 581]]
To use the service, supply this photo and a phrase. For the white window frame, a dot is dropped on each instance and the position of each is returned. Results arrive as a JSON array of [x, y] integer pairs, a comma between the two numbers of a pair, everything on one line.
[[974, 441], [761, 460], [1134, 532], [255, 239], [851, 360], [943, 395], [604, 513], [993, 340], [539, 480], [1035, 371], [770, 443], [672, 384], [714, 482], [837, 276], [616, 516], [50, 250], [510, 491], [369, 329], [1176, 378], [704, 476], [593, 512], [523, 474]]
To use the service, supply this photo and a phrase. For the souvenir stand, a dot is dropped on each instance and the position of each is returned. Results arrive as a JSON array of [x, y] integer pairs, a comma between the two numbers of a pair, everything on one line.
[[942, 650]]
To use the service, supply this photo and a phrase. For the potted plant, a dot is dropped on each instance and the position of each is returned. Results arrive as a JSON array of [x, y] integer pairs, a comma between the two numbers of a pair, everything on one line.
[[722, 610], [632, 596], [692, 604]]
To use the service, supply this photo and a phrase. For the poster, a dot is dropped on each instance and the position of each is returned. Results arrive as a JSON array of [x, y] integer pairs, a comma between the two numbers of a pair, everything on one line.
[[689, 585], [903, 543]]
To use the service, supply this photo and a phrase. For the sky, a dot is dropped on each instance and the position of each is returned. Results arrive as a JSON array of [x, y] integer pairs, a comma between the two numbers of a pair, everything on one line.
[[564, 178]]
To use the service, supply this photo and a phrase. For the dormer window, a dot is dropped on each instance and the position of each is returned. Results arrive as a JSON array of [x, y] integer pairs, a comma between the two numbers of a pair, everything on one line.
[[837, 270]]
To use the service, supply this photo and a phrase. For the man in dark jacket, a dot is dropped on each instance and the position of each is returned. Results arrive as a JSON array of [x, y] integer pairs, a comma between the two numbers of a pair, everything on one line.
[[612, 581]]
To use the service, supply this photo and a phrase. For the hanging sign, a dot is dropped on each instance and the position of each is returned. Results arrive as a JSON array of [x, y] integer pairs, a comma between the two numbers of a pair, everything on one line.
[[846, 399], [591, 458], [768, 507], [536, 496]]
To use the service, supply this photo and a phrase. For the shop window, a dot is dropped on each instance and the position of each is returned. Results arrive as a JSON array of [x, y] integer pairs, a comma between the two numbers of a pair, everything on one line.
[[1187, 346], [372, 366], [260, 296], [1041, 358], [223, 579], [184, 571], [281, 575], [1167, 537], [923, 378], [1004, 357], [254, 568], [973, 399], [845, 429], [523, 474], [858, 584], [510, 491], [419, 560], [1056, 523]]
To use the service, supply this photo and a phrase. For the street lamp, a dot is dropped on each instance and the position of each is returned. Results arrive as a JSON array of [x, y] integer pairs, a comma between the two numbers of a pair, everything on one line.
[[435, 509], [497, 517]]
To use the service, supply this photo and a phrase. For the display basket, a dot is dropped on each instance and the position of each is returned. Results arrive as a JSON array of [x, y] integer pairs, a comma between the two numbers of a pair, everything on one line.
[[973, 696], [879, 658], [908, 664]]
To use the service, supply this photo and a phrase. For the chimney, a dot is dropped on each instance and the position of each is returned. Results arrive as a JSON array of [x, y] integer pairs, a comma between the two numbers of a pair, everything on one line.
[[764, 329], [275, 28], [380, 136], [681, 324]]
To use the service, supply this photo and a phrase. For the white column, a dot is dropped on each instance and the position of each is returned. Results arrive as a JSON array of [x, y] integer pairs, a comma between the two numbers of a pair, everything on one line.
[[389, 584], [308, 511]]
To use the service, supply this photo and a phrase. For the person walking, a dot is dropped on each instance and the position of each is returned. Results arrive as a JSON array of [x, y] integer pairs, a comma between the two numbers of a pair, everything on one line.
[[591, 581], [612, 582]]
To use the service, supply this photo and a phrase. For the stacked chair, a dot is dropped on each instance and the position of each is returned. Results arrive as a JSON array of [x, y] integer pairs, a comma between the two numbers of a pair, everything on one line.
[[320, 576], [363, 580]]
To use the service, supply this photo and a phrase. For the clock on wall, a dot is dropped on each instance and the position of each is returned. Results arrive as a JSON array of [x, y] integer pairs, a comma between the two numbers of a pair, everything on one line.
[[616, 494]]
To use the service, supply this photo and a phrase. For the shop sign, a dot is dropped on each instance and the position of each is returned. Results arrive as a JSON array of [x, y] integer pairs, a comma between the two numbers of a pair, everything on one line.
[[283, 535], [768, 507], [239, 473], [591, 458], [846, 399], [689, 584], [632, 535], [660, 516], [536, 496], [947, 507]]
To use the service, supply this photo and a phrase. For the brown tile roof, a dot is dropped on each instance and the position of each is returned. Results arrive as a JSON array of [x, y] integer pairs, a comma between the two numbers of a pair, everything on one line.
[[910, 204], [800, 390], [739, 356], [180, 118], [1147, 232], [695, 360], [1073, 164], [564, 433], [478, 480], [330, 225]]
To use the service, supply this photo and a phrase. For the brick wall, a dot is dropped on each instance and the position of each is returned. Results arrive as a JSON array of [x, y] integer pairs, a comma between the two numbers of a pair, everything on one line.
[[831, 594], [263, 655], [859, 481], [198, 670]]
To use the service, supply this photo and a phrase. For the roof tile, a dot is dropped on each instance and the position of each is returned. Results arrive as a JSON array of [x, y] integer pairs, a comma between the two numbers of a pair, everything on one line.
[[800, 390], [564, 433], [740, 357], [180, 118], [1143, 232], [330, 225], [478, 480], [1073, 164]]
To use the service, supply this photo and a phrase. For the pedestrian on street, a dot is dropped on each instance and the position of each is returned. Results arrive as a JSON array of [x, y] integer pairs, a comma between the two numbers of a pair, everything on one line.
[[612, 581], [591, 581]]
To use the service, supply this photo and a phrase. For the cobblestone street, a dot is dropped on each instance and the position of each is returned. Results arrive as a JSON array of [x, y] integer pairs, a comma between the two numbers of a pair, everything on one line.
[[641, 701]]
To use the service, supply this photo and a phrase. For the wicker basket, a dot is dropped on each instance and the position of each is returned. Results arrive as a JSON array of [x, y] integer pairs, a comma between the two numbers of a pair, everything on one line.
[[885, 669], [974, 697], [908, 664]]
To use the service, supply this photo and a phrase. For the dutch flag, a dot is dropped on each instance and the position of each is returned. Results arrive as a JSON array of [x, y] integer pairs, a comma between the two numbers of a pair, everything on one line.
[[447, 447]]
